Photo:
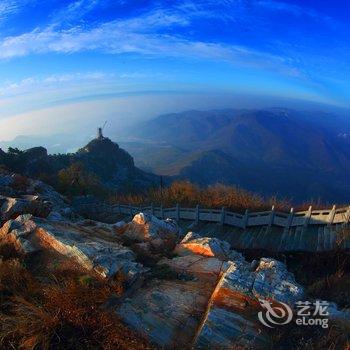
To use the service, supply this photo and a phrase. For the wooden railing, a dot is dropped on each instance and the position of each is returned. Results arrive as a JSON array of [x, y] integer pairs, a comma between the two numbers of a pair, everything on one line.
[[271, 217]]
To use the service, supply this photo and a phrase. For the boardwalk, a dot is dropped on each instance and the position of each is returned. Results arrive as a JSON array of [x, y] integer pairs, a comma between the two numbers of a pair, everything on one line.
[[311, 230]]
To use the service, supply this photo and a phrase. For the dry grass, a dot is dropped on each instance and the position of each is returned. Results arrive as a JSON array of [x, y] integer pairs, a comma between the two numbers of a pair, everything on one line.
[[61, 309], [187, 194], [295, 337]]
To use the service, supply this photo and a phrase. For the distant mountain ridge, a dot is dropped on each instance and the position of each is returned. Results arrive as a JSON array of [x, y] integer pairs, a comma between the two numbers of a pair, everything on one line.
[[300, 155]]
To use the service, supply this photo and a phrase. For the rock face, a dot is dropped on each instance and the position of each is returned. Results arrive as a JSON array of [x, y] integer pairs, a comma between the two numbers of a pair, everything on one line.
[[168, 312], [198, 266]]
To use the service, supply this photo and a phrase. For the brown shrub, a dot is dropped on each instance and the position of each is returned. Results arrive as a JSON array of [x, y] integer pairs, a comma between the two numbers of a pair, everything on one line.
[[61, 310], [9, 251], [16, 280]]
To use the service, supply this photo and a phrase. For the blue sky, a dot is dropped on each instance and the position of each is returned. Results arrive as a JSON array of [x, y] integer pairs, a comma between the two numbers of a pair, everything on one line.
[[84, 57]]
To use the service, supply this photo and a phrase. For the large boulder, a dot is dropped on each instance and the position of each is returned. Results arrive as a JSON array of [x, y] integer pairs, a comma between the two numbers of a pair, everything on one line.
[[10, 208], [273, 281], [146, 227], [94, 247], [242, 285], [47, 193], [231, 320], [28, 196], [193, 243]]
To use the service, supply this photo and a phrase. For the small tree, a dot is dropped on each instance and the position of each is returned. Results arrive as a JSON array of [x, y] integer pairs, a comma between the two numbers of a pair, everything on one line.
[[75, 180]]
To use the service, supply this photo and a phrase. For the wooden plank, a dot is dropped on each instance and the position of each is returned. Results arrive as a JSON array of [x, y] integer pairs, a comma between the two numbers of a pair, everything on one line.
[[308, 216], [295, 243], [259, 238], [245, 219], [333, 237], [331, 216], [284, 238], [300, 245], [222, 220], [320, 239], [327, 241]]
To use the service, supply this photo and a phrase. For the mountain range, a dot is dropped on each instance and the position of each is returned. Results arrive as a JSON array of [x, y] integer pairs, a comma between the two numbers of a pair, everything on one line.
[[298, 155], [293, 154]]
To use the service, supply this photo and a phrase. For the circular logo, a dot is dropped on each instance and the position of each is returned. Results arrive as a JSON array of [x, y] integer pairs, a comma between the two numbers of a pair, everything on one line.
[[274, 315]]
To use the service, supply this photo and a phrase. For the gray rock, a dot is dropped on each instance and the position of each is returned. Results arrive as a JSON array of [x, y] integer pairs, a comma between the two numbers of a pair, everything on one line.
[[227, 330], [193, 243], [273, 281], [12, 207], [145, 227], [91, 246]]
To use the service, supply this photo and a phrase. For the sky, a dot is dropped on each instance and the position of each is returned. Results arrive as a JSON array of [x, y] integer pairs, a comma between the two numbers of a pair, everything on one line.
[[66, 66]]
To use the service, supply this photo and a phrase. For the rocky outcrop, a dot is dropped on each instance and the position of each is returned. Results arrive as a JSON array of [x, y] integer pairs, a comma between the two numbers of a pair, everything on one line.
[[103, 158], [20, 195], [168, 312], [196, 265], [195, 244], [146, 227], [10, 208], [229, 317], [92, 246], [196, 293]]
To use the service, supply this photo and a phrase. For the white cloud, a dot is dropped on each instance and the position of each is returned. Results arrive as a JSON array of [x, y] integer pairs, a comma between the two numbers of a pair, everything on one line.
[[75, 10], [11, 7], [134, 37], [8, 7]]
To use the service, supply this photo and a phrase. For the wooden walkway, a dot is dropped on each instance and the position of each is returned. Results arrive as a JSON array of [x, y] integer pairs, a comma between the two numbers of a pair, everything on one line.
[[311, 230], [249, 219]]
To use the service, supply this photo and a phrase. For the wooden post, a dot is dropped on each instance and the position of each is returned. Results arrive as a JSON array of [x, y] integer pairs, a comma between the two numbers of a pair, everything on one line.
[[245, 219], [177, 212], [331, 216], [152, 209], [347, 218], [290, 218], [197, 215], [308, 216], [222, 220], [161, 212], [272, 216]]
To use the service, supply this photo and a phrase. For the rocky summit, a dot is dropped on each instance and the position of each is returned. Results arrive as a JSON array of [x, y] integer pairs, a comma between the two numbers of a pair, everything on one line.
[[182, 290], [105, 160]]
